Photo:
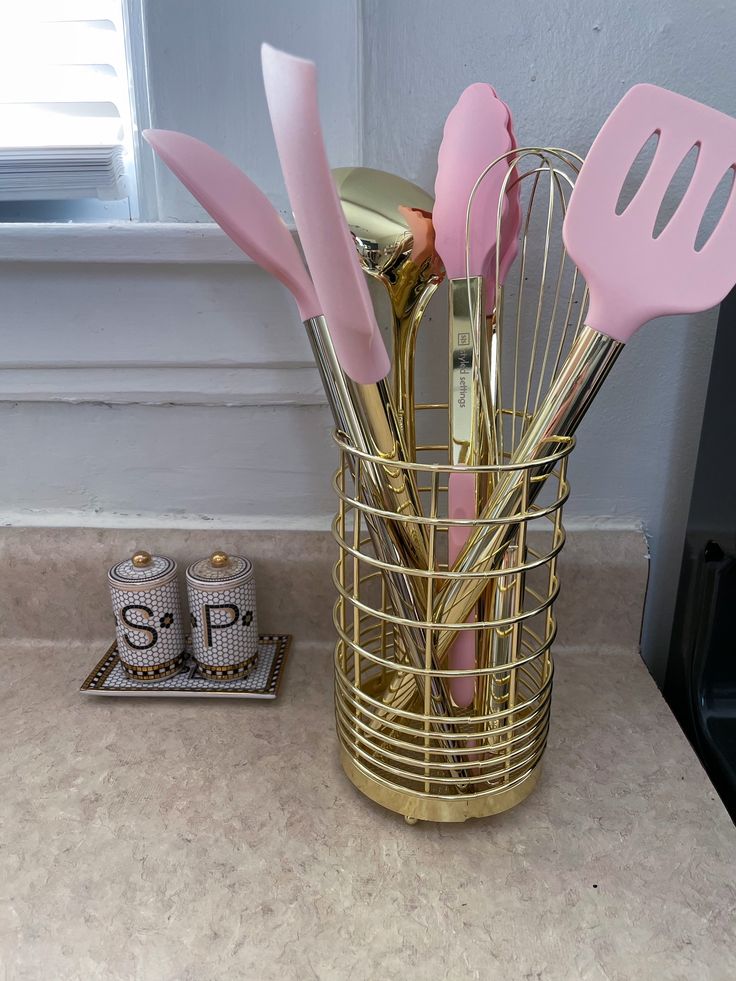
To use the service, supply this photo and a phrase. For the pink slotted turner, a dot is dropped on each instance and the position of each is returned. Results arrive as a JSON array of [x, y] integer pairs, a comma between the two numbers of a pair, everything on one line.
[[632, 276]]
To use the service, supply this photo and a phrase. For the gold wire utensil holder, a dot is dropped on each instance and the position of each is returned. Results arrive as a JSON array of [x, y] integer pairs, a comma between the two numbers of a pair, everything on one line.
[[458, 763], [404, 741]]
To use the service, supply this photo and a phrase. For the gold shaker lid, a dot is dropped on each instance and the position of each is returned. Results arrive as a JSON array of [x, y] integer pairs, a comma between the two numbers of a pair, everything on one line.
[[220, 567], [142, 568]]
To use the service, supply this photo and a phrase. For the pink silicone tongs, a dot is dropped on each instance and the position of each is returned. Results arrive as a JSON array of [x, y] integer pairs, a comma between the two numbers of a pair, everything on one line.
[[477, 131]]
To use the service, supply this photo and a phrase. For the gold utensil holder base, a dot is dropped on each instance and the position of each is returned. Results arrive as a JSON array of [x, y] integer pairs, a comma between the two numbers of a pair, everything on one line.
[[405, 740], [415, 807]]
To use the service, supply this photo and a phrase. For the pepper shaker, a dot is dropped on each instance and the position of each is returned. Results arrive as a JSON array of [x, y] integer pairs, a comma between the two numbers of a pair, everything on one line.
[[148, 617], [222, 604]]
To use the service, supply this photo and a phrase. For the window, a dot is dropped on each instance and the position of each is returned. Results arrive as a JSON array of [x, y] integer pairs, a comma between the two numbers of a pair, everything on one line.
[[65, 112], [79, 79]]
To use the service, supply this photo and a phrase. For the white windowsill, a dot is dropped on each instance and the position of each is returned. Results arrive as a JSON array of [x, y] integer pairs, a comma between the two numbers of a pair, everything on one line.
[[126, 242]]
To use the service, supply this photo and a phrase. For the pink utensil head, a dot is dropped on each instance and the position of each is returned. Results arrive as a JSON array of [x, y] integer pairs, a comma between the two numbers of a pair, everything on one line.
[[291, 92], [240, 208], [632, 276], [476, 132]]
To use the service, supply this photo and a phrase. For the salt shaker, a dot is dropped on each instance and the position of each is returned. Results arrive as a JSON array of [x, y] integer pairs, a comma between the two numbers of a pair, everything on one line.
[[148, 617], [222, 604]]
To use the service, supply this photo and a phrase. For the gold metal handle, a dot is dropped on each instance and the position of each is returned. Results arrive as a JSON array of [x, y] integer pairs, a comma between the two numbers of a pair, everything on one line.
[[590, 359], [405, 335], [504, 636], [466, 312]]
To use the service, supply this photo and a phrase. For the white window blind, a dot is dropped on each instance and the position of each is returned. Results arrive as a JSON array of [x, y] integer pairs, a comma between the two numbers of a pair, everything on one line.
[[64, 102]]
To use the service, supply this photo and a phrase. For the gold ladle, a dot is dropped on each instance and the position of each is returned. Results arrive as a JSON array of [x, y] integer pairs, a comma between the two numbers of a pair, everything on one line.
[[390, 220]]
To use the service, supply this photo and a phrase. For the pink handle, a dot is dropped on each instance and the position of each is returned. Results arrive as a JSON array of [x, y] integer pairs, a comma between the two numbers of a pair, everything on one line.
[[291, 92], [240, 208], [461, 656]]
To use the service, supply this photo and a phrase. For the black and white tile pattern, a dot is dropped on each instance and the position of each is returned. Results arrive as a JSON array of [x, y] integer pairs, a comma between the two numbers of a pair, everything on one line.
[[224, 620], [148, 625]]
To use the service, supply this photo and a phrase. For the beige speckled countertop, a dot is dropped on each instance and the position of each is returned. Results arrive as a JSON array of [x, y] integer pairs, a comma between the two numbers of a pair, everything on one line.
[[198, 840]]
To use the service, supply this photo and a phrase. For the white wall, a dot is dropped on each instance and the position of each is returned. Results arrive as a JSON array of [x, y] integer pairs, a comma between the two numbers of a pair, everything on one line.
[[106, 364], [204, 71], [178, 390]]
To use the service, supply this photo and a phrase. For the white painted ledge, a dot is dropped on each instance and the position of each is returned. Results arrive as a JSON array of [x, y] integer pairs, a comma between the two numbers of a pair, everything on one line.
[[288, 383], [125, 242], [72, 518]]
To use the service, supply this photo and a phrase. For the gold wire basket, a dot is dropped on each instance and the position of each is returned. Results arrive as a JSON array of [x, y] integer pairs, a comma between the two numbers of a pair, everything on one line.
[[458, 763], [407, 740]]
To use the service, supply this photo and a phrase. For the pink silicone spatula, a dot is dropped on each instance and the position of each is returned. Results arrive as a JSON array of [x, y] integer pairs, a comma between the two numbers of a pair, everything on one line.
[[247, 217], [241, 210], [291, 92], [476, 132]]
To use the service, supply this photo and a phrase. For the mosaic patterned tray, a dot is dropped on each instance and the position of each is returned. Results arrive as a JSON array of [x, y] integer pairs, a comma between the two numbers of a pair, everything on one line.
[[108, 677]]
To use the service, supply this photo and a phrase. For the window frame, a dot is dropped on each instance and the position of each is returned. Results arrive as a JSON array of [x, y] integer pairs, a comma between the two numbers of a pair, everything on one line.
[[140, 109]]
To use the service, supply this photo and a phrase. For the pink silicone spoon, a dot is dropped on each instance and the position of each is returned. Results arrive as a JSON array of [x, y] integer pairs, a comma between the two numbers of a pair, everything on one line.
[[476, 132]]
